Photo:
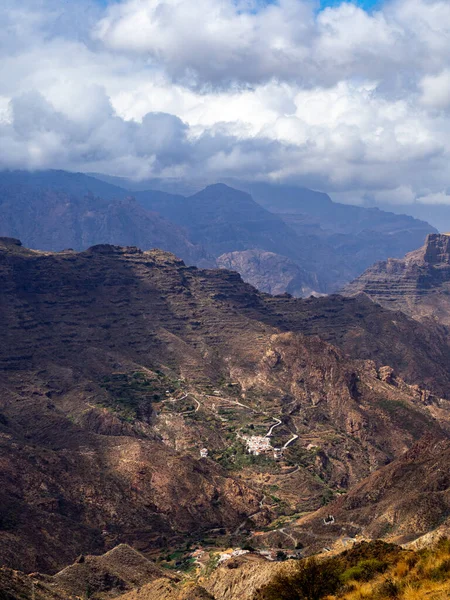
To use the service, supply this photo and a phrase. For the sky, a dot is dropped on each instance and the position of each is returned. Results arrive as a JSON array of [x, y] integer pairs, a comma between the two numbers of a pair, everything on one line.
[[352, 98]]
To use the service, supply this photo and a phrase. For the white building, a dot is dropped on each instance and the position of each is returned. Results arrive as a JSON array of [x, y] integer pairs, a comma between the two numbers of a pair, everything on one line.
[[257, 444], [278, 453], [204, 453]]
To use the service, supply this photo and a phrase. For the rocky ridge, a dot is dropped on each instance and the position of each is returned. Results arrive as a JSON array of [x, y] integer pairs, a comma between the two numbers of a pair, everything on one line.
[[418, 285], [285, 239]]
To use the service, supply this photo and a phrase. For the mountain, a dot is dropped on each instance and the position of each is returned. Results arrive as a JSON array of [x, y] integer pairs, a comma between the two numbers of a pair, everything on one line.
[[120, 570], [269, 272], [399, 502], [339, 241], [355, 237], [418, 285], [53, 210], [225, 220], [119, 366], [436, 214], [315, 245]]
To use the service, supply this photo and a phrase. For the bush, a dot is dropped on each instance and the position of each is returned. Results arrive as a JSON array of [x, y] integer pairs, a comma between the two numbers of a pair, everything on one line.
[[442, 572], [388, 589], [365, 570], [311, 580]]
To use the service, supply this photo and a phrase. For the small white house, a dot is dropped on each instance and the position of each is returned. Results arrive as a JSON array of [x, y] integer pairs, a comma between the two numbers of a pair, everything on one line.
[[204, 453]]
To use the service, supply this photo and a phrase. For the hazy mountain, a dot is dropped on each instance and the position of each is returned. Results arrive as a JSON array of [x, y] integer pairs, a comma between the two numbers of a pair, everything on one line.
[[270, 272], [224, 220], [327, 244], [436, 214], [53, 210], [338, 241], [355, 236]]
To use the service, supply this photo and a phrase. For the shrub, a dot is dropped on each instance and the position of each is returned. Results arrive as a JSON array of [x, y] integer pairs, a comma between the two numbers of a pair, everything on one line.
[[365, 570], [311, 580], [388, 589], [441, 572]]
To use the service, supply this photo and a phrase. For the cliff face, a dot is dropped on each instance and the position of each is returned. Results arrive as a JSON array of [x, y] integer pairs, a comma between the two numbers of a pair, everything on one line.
[[270, 272], [418, 285], [117, 366]]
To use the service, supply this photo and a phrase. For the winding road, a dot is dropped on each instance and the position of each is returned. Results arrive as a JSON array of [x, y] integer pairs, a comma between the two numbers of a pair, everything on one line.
[[277, 424], [288, 443]]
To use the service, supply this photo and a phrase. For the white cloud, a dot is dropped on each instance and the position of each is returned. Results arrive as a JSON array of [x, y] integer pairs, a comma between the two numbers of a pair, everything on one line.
[[436, 90], [437, 198], [343, 100]]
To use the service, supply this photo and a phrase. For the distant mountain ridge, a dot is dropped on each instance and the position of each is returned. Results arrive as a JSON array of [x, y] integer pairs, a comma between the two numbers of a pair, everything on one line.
[[352, 237], [321, 245], [339, 241], [54, 210]]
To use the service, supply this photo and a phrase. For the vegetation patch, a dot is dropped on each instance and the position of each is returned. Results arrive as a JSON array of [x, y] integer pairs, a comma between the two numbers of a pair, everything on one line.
[[131, 395], [369, 571]]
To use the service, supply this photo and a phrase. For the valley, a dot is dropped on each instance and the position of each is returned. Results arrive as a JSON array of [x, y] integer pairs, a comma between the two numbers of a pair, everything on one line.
[[167, 407]]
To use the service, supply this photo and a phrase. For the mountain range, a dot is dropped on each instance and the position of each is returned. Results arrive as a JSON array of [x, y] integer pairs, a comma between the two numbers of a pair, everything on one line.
[[279, 238], [166, 427], [418, 284], [118, 366]]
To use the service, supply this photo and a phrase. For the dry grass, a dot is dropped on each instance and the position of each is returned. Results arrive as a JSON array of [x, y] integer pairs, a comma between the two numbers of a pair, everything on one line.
[[422, 575]]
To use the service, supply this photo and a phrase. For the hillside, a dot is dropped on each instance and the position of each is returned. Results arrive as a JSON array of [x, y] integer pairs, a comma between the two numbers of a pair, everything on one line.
[[366, 571], [355, 237], [400, 502], [118, 366], [54, 210], [417, 285]]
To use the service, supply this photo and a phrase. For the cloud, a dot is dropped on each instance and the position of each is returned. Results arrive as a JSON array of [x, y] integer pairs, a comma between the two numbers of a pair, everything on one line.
[[217, 42], [343, 100], [436, 90], [437, 198], [211, 41]]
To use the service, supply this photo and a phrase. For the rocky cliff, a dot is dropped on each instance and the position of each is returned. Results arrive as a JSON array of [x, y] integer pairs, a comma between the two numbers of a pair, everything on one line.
[[270, 272], [418, 285]]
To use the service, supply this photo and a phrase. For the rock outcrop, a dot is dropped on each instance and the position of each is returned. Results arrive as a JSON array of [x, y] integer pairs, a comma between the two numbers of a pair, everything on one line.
[[418, 285], [270, 272]]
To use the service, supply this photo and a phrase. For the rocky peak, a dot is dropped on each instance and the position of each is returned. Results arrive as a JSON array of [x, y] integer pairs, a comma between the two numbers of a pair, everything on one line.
[[437, 249], [418, 285], [9, 242]]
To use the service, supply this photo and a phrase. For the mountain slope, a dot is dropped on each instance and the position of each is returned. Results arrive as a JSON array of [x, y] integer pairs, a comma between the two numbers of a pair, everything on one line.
[[53, 210], [418, 285], [226, 220], [351, 237], [118, 366], [399, 502], [269, 272]]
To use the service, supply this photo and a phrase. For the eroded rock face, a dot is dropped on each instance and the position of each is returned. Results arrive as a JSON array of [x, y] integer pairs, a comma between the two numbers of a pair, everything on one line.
[[270, 272], [418, 285]]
